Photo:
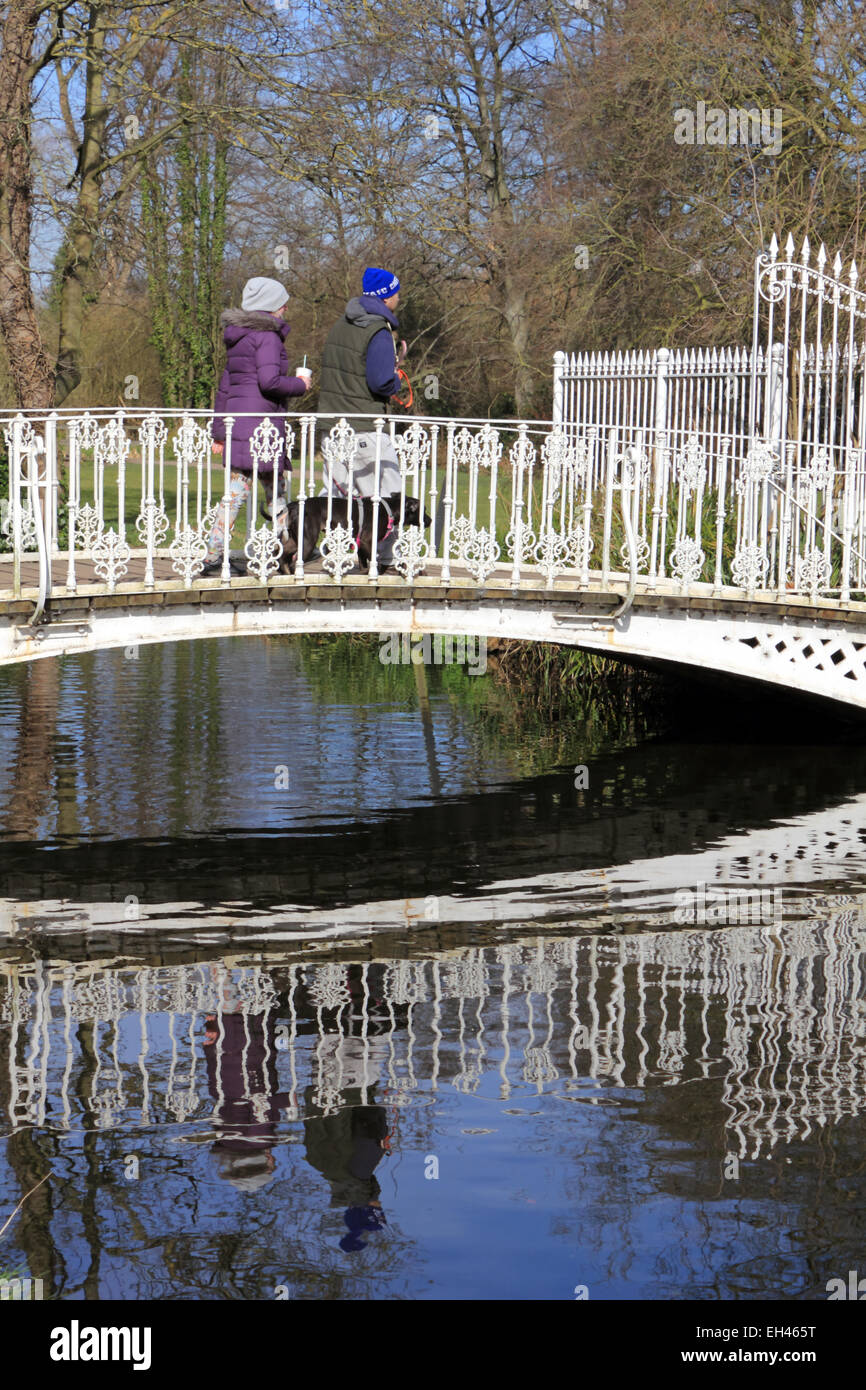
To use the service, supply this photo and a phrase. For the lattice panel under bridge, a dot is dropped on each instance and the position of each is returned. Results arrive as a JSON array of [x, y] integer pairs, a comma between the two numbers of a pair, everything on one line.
[[839, 656]]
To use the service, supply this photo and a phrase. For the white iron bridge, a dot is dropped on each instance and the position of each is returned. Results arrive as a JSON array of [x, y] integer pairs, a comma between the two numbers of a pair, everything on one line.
[[699, 510]]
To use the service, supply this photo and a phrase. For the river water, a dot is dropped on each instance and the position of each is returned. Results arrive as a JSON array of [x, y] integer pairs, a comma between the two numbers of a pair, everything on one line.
[[323, 978]]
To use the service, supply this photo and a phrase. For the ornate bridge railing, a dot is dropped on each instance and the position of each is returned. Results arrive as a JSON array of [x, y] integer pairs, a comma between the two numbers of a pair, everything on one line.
[[130, 498], [97, 489]]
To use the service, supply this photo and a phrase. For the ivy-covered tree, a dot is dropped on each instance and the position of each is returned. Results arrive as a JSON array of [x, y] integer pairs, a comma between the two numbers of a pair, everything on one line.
[[183, 200]]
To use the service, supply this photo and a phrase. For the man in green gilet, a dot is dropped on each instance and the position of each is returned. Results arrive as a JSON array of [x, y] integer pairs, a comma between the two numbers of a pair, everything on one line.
[[359, 377]]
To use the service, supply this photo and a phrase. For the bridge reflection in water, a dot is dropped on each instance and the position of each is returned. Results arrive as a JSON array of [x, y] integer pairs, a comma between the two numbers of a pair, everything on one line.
[[772, 1018]]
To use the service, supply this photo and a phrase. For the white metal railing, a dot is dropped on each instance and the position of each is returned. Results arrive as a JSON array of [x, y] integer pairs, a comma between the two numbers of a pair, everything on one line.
[[515, 498], [773, 431], [661, 393]]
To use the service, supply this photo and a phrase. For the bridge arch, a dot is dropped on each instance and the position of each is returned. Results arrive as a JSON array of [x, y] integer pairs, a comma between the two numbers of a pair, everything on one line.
[[793, 645]]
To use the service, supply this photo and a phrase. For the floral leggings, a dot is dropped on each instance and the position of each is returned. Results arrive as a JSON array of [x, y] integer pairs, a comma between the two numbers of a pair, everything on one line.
[[239, 492]]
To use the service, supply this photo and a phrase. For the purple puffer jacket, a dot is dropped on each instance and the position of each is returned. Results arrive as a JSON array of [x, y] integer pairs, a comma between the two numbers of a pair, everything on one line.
[[255, 379]]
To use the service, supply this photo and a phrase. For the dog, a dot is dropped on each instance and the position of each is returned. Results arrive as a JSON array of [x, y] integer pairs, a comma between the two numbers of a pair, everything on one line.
[[316, 516]]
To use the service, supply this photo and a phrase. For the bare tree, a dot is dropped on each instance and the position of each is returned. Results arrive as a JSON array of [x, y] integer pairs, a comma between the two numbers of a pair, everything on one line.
[[90, 53], [31, 371]]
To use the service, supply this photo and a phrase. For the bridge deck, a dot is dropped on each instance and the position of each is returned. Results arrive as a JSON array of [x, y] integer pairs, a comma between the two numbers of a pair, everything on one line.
[[166, 581], [167, 586]]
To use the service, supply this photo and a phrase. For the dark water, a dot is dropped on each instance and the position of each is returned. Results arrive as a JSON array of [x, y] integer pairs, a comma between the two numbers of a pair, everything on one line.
[[320, 978]]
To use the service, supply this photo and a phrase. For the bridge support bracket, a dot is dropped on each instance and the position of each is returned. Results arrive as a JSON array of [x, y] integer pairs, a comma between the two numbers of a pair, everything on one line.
[[59, 631], [578, 620]]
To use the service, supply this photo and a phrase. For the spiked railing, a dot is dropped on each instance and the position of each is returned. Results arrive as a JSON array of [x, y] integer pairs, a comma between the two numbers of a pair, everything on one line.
[[779, 425]]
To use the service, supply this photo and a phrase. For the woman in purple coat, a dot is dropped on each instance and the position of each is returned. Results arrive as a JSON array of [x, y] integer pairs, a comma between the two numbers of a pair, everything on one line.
[[256, 378]]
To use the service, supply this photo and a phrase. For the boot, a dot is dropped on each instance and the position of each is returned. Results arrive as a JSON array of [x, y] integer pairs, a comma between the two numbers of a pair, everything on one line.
[[213, 568]]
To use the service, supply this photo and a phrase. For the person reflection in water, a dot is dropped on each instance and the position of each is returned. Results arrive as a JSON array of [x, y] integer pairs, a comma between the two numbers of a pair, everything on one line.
[[242, 1079], [347, 1145], [347, 1148]]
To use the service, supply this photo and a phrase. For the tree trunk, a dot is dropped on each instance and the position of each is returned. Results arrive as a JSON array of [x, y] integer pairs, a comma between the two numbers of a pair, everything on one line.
[[515, 313], [81, 240], [493, 166], [31, 371]]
